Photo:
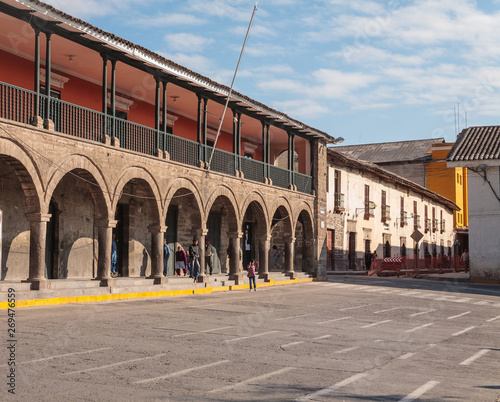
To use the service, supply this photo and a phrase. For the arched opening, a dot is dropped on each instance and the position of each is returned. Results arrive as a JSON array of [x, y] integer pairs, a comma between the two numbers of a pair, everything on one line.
[[304, 245], [222, 230], [282, 160], [136, 211], [183, 221], [71, 240], [254, 232], [18, 196], [281, 236]]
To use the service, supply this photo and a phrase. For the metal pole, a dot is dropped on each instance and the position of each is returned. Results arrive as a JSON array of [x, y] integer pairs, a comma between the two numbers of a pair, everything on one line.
[[232, 83]]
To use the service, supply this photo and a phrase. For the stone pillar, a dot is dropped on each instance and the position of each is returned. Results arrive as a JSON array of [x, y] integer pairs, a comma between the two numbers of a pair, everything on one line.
[[235, 268], [264, 251], [48, 72], [104, 238], [104, 93], [201, 243], [157, 254], [38, 234], [289, 254]]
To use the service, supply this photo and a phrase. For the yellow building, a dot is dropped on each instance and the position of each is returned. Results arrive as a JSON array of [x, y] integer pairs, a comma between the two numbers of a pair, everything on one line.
[[452, 184]]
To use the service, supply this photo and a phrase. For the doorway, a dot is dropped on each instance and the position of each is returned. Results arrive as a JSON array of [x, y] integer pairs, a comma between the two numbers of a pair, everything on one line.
[[214, 223], [352, 250]]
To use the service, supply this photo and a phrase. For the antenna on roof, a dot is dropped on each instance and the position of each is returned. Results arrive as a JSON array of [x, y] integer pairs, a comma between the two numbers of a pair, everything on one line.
[[455, 114], [232, 83]]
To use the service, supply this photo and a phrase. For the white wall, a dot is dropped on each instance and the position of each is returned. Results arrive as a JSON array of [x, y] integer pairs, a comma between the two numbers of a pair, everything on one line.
[[484, 225], [353, 187]]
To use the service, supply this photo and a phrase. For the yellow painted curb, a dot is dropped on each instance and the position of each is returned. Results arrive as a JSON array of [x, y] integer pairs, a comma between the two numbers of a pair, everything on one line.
[[138, 295]]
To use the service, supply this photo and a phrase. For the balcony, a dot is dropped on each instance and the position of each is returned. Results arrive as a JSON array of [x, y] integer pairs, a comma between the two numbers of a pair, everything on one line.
[[416, 221], [369, 210], [386, 213], [434, 225], [19, 105], [427, 225], [443, 225], [404, 218], [339, 202]]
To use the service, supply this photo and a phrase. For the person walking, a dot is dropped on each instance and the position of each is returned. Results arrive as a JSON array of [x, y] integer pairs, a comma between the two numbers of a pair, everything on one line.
[[114, 252], [209, 256], [194, 257], [251, 274], [180, 261], [166, 256]]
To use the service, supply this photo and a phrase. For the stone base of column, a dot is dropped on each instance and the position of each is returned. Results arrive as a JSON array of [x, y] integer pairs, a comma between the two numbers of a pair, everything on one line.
[[109, 282], [48, 124], [39, 284], [37, 121], [202, 279], [292, 275], [115, 142], [264, 276], [159, 281], [237, 278]]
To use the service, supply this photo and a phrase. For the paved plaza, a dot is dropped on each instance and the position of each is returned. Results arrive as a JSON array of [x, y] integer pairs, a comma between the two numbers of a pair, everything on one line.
[[348, 339]]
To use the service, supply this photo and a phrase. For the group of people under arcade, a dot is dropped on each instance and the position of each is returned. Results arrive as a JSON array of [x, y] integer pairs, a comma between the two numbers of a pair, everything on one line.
[[190, 262]]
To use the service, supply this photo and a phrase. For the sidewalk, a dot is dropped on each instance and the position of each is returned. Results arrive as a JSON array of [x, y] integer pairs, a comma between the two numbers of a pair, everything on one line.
[[68, 291]]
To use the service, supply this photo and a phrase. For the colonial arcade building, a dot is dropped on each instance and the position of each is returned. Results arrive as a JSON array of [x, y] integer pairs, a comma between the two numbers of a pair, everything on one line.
[[101, 137]]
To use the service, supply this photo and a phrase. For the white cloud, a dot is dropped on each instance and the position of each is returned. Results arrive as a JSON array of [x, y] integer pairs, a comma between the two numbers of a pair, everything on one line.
[[303, 109], [187, 41], [169, 19]]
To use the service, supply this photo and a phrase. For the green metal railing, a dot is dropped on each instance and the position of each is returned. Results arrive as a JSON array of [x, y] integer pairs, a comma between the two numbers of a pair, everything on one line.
[[19, 105], [303, 183], [279, 176]]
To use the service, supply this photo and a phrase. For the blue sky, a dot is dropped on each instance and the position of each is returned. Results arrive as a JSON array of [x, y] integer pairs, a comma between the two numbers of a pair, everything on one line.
[[368, 71]]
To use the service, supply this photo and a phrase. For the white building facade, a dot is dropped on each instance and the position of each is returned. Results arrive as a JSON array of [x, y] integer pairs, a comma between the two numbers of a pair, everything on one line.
[[370, 209], [478, 149]]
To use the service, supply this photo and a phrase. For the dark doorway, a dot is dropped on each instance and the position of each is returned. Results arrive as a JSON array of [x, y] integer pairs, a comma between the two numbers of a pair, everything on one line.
[[330, 250], [368, 254], [387, 249], [51, 242], [214, 223], [171, 235], [352, 250], [121, 236], [247, 243]]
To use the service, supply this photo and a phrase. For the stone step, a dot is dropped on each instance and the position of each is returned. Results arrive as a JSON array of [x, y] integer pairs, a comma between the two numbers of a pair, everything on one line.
[[17, 286]]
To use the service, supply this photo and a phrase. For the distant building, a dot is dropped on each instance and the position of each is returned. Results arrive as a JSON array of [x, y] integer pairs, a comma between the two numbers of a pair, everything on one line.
[[405, 158], [478, 150], [372, 209], [423, 162]]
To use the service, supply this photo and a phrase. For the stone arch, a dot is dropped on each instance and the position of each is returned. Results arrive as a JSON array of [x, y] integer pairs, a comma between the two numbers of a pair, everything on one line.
[[256, 198], [26, 171], [282, 211], [183, 216], [185, 186], [82, 167], [304, 243], [147, 188], [230, 203]]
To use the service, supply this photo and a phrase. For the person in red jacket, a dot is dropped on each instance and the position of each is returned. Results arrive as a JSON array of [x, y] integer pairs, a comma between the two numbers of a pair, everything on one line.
[[251, 274]]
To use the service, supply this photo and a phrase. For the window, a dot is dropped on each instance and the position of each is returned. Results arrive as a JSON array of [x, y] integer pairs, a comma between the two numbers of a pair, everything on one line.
[[339, 197], [367, 201], [416, 216], [434, 220], [403, 213], [384, 205], [426, 219]]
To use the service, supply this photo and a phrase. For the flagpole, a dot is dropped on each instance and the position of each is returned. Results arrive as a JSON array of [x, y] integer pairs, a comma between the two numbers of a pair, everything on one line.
[[232, 83]]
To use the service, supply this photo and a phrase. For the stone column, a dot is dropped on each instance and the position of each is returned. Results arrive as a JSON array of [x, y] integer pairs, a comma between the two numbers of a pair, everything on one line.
[[157, 254], [201, 243], [235, 268], [104, 238], [289, 254], [38, 234], [264, 250]]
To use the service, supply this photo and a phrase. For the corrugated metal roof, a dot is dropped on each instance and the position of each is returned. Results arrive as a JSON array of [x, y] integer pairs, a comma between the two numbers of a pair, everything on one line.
[[476, 144], [401, 151]]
